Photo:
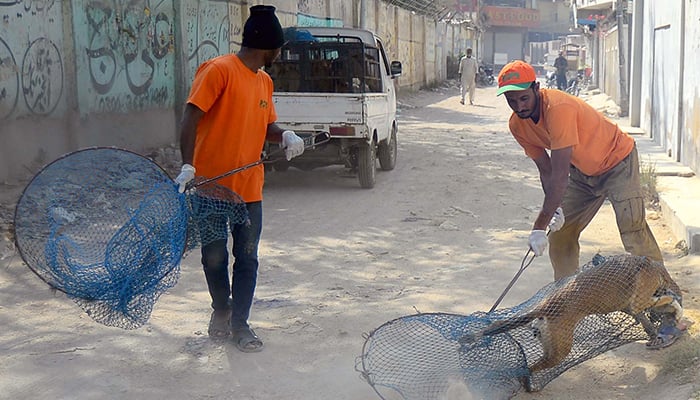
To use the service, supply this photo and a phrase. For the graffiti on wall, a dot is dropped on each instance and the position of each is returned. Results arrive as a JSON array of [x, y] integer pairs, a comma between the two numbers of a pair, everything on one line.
[[206, 32], [307, 20], [312, 7], [125, 55], [31, 65]]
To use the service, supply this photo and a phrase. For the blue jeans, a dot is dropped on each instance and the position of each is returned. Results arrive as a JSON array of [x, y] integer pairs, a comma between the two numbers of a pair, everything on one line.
[[238, 293]]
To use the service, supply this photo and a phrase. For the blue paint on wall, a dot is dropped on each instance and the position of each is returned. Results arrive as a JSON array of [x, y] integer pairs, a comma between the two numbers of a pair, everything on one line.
[[309, 20]]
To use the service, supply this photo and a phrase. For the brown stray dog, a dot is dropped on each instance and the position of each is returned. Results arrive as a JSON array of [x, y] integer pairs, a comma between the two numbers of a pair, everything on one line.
[[621, 283]]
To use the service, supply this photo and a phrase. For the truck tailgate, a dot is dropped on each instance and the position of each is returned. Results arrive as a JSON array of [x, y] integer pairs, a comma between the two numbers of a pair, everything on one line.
[[318, 108]]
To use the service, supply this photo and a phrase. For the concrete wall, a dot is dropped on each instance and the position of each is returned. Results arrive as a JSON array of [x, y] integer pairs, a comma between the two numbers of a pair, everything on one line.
[[78, 74], [610, 77], [690, 89], [668, 81], [82, 73], [661, 73], [663, 82]]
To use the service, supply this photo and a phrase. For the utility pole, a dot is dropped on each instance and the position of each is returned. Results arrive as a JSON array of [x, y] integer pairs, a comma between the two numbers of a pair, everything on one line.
[[624, 96]]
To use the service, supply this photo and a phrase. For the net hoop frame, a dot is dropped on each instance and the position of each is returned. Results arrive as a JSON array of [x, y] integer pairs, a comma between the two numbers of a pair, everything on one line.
[[18, 244]]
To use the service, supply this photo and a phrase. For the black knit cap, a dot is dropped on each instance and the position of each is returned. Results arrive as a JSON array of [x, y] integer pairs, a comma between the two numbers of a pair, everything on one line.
[[262, 30]]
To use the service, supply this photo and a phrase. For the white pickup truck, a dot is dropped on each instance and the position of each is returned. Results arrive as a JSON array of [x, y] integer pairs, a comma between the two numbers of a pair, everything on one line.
[[339, 81]]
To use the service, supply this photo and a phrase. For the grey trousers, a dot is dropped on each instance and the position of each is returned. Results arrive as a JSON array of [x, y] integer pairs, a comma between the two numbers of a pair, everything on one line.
[[583, 198]]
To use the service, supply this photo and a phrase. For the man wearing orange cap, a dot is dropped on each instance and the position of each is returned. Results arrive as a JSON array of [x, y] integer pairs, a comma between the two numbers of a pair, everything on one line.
[[228, 116], [589, 160]]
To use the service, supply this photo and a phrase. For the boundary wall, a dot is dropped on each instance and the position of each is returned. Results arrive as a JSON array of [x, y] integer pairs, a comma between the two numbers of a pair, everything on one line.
[[82, 73]]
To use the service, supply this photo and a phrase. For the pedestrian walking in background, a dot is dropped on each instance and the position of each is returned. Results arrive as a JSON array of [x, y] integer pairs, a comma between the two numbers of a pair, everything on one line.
[[561, 65], [468, 68]]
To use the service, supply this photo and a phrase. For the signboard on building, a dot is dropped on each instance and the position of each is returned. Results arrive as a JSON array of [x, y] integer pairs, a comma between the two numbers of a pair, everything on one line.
[[500, 58], [512, 16], [466, 5]]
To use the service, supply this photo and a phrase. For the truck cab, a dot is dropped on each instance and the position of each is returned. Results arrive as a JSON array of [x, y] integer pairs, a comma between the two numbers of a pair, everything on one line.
[[338, 81]]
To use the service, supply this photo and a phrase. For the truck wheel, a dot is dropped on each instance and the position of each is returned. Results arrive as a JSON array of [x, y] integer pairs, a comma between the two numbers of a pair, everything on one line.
[[367, 165], [387, 151]]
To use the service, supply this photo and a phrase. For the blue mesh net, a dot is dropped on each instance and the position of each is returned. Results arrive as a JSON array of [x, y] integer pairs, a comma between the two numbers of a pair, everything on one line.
[[108, 228]]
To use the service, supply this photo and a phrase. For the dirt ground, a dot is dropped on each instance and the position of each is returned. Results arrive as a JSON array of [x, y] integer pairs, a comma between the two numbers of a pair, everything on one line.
[[444, 232]]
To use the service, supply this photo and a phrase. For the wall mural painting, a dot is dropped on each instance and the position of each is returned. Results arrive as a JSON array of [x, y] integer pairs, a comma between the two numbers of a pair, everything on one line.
[[125, 54], [313, 7], [206, 33], [29, 5], [31, 65], [9, 81], [308, 20], [42, 68]]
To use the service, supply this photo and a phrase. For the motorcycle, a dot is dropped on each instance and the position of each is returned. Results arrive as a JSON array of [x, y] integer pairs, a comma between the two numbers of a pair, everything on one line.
[[485, 76], [575, 83], [551, 82]]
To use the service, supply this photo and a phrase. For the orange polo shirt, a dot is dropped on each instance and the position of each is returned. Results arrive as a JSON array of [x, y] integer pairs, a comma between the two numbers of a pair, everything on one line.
[[598, 143], [237, 105]]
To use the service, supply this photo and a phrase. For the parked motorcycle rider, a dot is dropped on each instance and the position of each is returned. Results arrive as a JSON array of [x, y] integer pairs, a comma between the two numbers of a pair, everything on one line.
[[561, 64], [468, 68], [485, 76]]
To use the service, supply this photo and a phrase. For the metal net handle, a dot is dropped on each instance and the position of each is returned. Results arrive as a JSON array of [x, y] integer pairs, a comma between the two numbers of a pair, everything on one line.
[[308, 142]]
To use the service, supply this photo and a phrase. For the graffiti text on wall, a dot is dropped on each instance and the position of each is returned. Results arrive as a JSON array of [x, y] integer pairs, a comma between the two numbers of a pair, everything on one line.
[[128, 53], [206, 33], [31, 66]]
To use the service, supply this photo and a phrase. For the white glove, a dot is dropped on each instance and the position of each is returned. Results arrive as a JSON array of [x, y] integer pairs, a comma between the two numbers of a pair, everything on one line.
[[186, 175], [557, 220], [538, 241], [293, 144]]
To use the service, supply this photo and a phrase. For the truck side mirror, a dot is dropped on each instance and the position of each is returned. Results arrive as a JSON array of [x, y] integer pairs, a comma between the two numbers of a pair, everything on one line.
[[395, 69]]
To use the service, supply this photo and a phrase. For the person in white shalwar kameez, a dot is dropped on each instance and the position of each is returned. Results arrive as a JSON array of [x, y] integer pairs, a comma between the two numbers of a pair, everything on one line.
[[468, 67]]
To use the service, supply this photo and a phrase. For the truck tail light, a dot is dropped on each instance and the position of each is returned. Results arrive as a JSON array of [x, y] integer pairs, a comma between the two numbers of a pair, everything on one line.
[[342, 130]]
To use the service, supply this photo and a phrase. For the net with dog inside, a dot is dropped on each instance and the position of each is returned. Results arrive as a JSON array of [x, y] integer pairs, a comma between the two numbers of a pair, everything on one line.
[[612, 301], [108, 227]]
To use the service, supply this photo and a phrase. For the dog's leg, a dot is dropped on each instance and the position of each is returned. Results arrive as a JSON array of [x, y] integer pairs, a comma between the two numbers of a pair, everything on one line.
[[678, 310], [646, 324], [665, 303]]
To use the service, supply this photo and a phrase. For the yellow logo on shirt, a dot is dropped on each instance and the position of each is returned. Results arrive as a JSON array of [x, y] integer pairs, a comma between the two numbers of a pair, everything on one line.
[[263, 103]]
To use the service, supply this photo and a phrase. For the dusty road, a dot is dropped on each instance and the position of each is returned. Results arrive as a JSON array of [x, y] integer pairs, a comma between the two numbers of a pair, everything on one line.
[[444, 232]]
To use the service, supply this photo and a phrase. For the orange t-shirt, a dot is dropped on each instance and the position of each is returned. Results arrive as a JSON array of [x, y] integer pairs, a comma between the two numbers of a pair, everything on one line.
[[598, 143], [237, 105]]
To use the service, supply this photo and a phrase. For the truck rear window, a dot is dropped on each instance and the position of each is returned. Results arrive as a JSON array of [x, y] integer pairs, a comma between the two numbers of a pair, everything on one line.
[[334, 64]]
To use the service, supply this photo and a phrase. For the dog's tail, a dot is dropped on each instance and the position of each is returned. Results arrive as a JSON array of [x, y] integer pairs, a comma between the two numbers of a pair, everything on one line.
[[499, 327], [508, 324]]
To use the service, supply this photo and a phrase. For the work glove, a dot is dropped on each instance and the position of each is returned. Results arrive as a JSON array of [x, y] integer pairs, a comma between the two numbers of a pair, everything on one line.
[[557, 220], [293, 144], [186, 175], [538, 241]]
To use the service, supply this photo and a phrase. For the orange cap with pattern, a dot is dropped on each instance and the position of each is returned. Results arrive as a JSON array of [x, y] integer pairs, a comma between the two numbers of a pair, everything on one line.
[[517, 75]]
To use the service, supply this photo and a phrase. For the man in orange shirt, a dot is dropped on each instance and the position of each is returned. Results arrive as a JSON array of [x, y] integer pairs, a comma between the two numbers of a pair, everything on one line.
[[228, 116], [589, 160]]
